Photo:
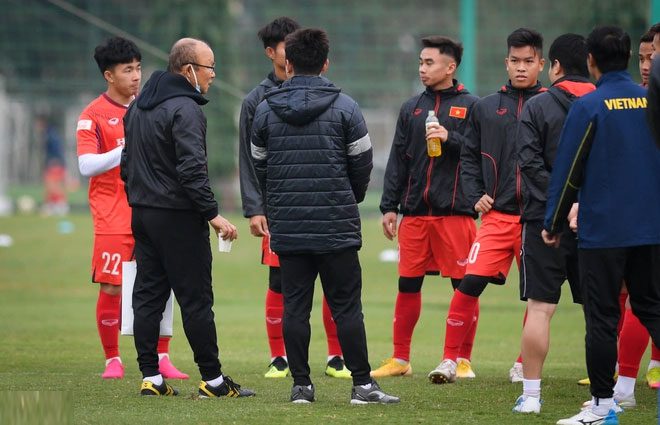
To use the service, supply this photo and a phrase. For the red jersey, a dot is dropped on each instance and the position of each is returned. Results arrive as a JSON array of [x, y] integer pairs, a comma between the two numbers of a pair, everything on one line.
[[101, 129]]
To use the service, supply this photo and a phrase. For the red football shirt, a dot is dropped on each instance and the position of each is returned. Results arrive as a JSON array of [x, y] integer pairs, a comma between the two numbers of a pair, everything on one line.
[[101, 129]]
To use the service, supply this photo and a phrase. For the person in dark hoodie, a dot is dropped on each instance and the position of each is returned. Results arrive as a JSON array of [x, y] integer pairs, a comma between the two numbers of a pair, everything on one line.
[[544, 269], [491, 182], [438, 227], [272, 35], [164, 167], [313, 158]]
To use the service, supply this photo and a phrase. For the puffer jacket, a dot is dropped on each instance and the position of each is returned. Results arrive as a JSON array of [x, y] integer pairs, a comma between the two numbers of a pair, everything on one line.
[[313, 157], [419, 185]]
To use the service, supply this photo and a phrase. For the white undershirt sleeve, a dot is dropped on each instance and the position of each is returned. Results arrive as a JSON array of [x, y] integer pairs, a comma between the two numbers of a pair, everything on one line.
[[93, 164]]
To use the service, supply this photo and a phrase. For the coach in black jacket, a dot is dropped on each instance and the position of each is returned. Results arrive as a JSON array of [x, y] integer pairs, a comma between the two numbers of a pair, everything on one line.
[[164, 167], [313, 157], [653, 107]]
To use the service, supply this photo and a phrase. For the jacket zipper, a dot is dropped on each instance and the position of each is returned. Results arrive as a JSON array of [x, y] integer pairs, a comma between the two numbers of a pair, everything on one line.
[[518, 176], [429, 170]]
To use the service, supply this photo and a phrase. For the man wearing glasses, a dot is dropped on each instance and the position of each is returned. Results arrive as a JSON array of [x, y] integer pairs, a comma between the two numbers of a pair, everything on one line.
[[164, 166]]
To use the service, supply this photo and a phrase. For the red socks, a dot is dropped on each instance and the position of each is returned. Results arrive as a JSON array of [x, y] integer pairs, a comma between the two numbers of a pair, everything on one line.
[[406, 313], [334, 348], [459, 321], [274, 312], [108, 308], [164, 344], [622, 307], [633, 340], [466, 349]]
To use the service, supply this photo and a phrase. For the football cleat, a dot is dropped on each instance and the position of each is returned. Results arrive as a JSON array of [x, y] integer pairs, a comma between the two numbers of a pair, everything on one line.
[[464, 369], [228, 388], [302, 394], [527, 404], [148, 388], [371, 394], [653, 378], [445, 373], [588, 417], [279, 368], [113, 370], [167, 369], [391, 367], [337, 368], [516, 373]]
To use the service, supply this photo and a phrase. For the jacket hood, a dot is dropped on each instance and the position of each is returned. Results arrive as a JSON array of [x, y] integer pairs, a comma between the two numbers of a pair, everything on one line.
[[575, 85], [302, 98], [166, 85]]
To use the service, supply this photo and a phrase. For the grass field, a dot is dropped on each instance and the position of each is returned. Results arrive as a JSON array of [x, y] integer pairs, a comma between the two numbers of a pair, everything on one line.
[[50, 354]]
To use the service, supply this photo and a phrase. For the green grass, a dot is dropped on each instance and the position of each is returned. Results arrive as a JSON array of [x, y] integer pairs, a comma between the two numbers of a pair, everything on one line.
[[49, 344]]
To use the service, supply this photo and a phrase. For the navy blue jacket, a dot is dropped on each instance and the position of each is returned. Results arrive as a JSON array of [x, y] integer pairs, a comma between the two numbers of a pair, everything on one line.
[[313, 157], [607, 155]]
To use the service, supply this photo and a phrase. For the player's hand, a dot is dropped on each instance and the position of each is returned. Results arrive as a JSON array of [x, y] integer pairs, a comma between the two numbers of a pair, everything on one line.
[[224, 228], [436, 130], [389, 225], [572, 217], [258, 225], [550, 239], [484, 204]]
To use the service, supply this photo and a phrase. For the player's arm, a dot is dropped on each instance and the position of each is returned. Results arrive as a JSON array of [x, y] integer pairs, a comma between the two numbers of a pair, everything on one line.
[[471, 174], [250, 192], [530, 145], [189, 137], [574, 146], [91, 162]]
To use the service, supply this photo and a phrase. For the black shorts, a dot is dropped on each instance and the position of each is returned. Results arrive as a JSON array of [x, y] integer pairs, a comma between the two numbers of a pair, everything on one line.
[[544, 269]]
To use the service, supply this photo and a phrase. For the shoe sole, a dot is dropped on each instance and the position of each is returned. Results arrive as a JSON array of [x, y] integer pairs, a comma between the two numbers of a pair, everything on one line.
[[301, 402], [439, 378], [362, 402], [408, 372], [466, 376]]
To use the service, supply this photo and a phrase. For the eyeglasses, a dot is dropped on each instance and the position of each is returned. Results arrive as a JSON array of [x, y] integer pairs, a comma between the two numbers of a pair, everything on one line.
[[212, 68]]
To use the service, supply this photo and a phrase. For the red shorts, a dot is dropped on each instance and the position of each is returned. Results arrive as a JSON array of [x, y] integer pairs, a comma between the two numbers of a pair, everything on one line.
[[268, 257], [498, 241], [435, 244], [109, 252]]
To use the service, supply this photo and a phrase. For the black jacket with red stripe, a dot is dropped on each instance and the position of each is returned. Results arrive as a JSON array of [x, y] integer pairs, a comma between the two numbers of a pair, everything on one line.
[[538, 138], [416, 184], [488, 160]]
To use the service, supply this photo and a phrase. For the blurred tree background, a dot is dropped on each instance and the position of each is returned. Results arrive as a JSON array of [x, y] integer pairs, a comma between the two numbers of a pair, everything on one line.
[[48, 68]]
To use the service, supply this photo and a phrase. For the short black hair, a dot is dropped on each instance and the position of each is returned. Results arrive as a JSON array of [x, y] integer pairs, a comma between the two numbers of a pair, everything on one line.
[[275, 32], [571, 52], [445, 45], [523, 37], [307, 50], [647, 37], [115, 51], [610, 47], [655, 28]]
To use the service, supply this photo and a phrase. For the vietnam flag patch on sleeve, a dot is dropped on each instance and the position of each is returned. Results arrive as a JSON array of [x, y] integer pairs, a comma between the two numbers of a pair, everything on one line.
[[458, 112]]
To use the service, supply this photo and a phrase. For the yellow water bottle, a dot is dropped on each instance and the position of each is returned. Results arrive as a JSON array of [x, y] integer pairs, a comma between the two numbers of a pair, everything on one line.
[[433, 145]]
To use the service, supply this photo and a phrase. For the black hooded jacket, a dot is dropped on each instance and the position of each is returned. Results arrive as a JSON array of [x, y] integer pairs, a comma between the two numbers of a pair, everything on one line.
[[164, 162], [313, 158], [653, 104], [251, 197], [540, 126], [488, 156], [416, 184]]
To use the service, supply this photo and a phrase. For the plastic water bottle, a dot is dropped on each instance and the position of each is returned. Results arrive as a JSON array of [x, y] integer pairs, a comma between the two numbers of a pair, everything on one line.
[[434, 144]]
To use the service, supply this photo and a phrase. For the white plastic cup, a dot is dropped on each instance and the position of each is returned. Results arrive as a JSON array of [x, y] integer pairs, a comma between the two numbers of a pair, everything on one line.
[[223, 245]]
